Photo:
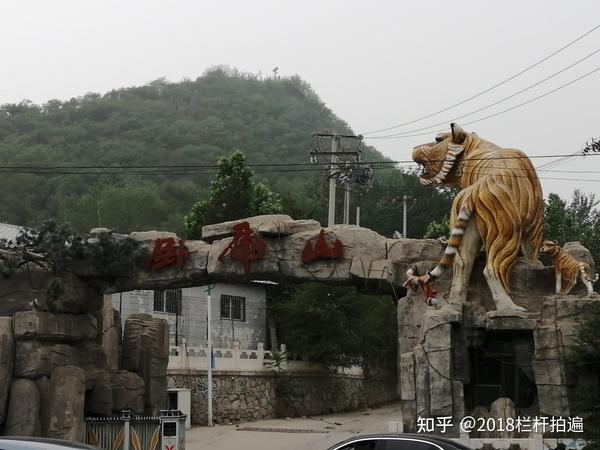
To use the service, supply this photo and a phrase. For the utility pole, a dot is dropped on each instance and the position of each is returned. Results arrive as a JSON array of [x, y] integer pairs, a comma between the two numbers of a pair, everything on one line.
[[334, 169], [208, 290], [335, 140], [347, 203], [405, 199]]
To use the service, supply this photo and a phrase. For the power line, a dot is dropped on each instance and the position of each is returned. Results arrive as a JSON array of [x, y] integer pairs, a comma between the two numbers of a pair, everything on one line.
[[488, 89], [393, 136], [501, 100], [299, 170], [276, 166]]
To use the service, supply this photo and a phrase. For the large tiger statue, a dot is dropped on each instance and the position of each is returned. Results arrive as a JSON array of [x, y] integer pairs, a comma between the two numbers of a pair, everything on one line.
[[500, 204]]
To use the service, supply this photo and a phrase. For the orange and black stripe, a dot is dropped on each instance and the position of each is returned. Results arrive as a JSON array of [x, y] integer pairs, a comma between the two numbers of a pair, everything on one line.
[[456, 237]]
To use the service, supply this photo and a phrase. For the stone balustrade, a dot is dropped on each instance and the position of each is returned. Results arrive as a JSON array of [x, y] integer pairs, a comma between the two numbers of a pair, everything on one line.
[[234, 358], [183, 357]]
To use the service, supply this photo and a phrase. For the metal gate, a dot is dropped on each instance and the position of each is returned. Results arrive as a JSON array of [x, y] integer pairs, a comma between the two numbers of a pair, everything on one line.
[[127, 432]]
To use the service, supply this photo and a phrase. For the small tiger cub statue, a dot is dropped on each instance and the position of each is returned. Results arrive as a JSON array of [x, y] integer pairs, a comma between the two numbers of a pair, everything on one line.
[[568, 269]]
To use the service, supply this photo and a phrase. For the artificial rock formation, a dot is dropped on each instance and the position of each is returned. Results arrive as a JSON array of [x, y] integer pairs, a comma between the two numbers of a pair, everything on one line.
[[56, 327], [110, 341], [7, 350], [59, 358], [30, 286], [23, 409], [369, 260], [146, 352], [439, 347], [66, 403], [128, 391]]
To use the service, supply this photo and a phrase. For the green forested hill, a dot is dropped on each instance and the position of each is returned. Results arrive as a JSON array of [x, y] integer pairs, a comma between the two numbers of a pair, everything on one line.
[[189, 123]]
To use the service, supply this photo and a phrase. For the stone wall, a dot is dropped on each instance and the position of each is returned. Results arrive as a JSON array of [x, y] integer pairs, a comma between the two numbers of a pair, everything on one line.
[[250, 396], [306, 394]]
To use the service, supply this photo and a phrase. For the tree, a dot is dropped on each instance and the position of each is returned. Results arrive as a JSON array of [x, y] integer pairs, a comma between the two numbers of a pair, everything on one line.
[[58, 249], [584, 361], [382, 206], [121, 208], [233, 195], [336, 326], [438, 229], [188, 125]]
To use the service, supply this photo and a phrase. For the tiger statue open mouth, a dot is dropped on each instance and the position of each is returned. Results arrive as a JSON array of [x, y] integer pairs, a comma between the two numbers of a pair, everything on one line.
[[500, 205], [437, 160]]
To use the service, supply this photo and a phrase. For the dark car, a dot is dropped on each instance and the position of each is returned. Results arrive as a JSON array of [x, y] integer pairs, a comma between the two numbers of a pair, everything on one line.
[[32, 443], [398, 442]]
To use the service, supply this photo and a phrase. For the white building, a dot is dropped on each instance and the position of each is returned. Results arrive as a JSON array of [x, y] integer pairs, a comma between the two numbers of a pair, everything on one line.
[[10, 232], [238, 313]]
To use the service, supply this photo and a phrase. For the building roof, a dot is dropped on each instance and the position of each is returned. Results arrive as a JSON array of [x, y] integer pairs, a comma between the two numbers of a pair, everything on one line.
[[10, 232]]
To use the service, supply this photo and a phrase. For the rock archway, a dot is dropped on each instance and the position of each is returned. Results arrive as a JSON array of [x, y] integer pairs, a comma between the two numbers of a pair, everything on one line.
[[436, 345], [366, 258]]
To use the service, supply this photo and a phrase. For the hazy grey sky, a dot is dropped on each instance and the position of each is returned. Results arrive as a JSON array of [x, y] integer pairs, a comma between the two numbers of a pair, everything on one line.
[[374, 63]]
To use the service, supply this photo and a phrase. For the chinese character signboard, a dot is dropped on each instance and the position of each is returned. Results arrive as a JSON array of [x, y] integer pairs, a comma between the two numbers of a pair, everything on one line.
[[321, 250], [168, 252], [245, 247]]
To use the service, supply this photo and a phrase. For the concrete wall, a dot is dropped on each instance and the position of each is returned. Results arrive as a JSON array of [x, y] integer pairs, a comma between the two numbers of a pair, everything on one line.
[[192, 321], [249, 396]]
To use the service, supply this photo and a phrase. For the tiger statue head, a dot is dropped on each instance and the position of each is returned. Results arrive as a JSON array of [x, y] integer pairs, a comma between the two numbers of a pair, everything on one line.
[[500, 204], [550, 248], [438, 159]]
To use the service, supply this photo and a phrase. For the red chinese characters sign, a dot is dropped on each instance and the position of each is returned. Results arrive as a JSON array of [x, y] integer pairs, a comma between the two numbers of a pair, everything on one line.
[[320, 249], [168, 252], [245, 247]]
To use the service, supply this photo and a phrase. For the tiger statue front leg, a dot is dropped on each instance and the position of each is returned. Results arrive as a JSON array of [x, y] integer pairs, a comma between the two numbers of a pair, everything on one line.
[[467, 233]]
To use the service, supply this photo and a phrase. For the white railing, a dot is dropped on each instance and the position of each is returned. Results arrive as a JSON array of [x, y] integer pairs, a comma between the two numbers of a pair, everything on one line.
[[234, 358], [184, 357]]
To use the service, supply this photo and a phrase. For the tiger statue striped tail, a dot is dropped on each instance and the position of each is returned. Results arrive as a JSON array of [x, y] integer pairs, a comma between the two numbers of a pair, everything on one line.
[[568, 269], [500, 204]]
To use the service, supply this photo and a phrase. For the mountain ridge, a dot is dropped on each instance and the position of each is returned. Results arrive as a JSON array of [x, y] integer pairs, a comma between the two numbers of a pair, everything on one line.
[[186, 123]]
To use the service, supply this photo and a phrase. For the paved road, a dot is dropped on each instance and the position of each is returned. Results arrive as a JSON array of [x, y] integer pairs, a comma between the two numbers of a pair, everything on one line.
[[314, 433]]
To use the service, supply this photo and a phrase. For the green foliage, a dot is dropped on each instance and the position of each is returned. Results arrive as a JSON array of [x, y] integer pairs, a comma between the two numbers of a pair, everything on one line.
[[579, 220], [336, 326], [382, 205], [56, 242], [233, 195], [125, 207], [584, 358], [438, 229], [106, 256], [190, 123], [265, 201]]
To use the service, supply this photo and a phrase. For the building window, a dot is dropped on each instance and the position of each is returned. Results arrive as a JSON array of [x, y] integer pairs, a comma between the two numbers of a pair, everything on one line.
[[167, 301], [159, 300], [233, 308]]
